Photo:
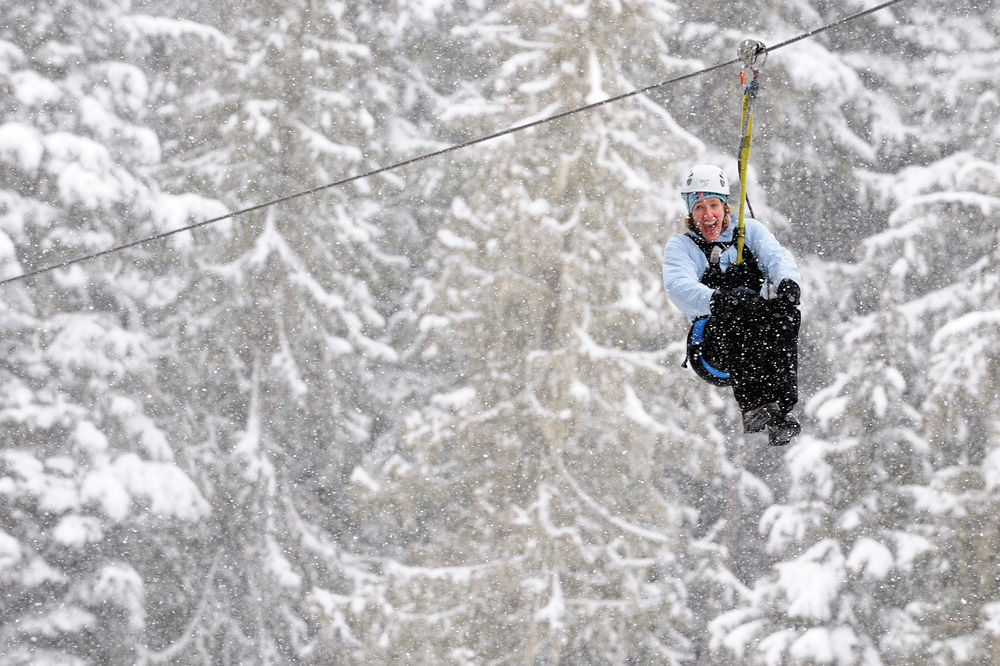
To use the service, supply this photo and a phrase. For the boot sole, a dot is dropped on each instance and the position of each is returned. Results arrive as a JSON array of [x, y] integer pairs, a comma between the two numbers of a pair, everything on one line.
[[782, 435]]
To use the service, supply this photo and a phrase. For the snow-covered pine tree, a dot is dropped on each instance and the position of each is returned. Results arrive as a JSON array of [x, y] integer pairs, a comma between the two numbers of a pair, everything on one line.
[[280, 376], [950, 270], [543, 500], [92, 486]]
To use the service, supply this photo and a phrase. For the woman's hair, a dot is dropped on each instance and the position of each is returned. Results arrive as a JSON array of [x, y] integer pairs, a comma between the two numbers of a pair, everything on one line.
[[689, 222]]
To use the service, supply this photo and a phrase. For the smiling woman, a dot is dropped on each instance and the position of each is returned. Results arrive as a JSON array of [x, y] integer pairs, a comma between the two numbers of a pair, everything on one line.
[[737, 337]]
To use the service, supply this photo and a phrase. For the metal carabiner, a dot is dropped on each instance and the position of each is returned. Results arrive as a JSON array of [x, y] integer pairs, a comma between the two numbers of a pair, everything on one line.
[[752, 54]]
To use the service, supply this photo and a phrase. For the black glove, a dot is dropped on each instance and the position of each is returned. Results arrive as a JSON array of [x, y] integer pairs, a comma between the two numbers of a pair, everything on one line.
[[789, 291], [739, 301]]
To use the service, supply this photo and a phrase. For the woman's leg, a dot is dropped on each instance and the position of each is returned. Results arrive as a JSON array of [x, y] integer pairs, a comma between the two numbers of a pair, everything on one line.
[[760, 351]]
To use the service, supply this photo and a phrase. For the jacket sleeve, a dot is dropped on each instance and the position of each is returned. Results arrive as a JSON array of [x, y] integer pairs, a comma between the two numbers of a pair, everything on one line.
[[774, 260], [683, 266]]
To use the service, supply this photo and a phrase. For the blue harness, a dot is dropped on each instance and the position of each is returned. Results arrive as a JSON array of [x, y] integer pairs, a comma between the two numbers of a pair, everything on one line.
[[698, 363]]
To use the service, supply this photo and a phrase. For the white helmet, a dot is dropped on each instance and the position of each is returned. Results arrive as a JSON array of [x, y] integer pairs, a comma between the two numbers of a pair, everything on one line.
[[706, 178]]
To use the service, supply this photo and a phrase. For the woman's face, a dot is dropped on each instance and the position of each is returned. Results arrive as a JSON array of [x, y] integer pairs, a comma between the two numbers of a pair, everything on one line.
[[709, 215]]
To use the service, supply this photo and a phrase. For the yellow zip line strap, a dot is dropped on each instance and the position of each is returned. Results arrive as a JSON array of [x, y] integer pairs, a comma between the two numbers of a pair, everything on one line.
[[744, 156], [419, 158], [752, 54]]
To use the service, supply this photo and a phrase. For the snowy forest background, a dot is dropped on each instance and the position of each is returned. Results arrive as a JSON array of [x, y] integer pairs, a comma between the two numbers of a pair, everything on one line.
[[438, 415]]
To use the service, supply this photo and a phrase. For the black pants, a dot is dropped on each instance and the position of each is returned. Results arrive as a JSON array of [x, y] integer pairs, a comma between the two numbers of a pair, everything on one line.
[[760, 352]]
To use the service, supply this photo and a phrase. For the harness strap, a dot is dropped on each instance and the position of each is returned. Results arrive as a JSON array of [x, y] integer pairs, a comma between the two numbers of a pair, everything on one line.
[[713, 250]]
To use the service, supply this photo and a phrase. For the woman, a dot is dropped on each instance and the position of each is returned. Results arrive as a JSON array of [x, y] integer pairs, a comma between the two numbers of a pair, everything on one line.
[[738, 338]]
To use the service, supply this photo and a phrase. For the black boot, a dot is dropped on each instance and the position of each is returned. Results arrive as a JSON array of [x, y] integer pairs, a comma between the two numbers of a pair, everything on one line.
[[755, 419], [781, 430]]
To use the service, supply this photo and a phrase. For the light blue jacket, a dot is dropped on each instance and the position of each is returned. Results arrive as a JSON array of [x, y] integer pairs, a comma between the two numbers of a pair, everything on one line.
[[684, 263]]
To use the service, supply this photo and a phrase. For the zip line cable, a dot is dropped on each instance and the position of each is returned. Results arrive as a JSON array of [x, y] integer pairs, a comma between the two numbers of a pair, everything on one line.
[[437, 153]]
